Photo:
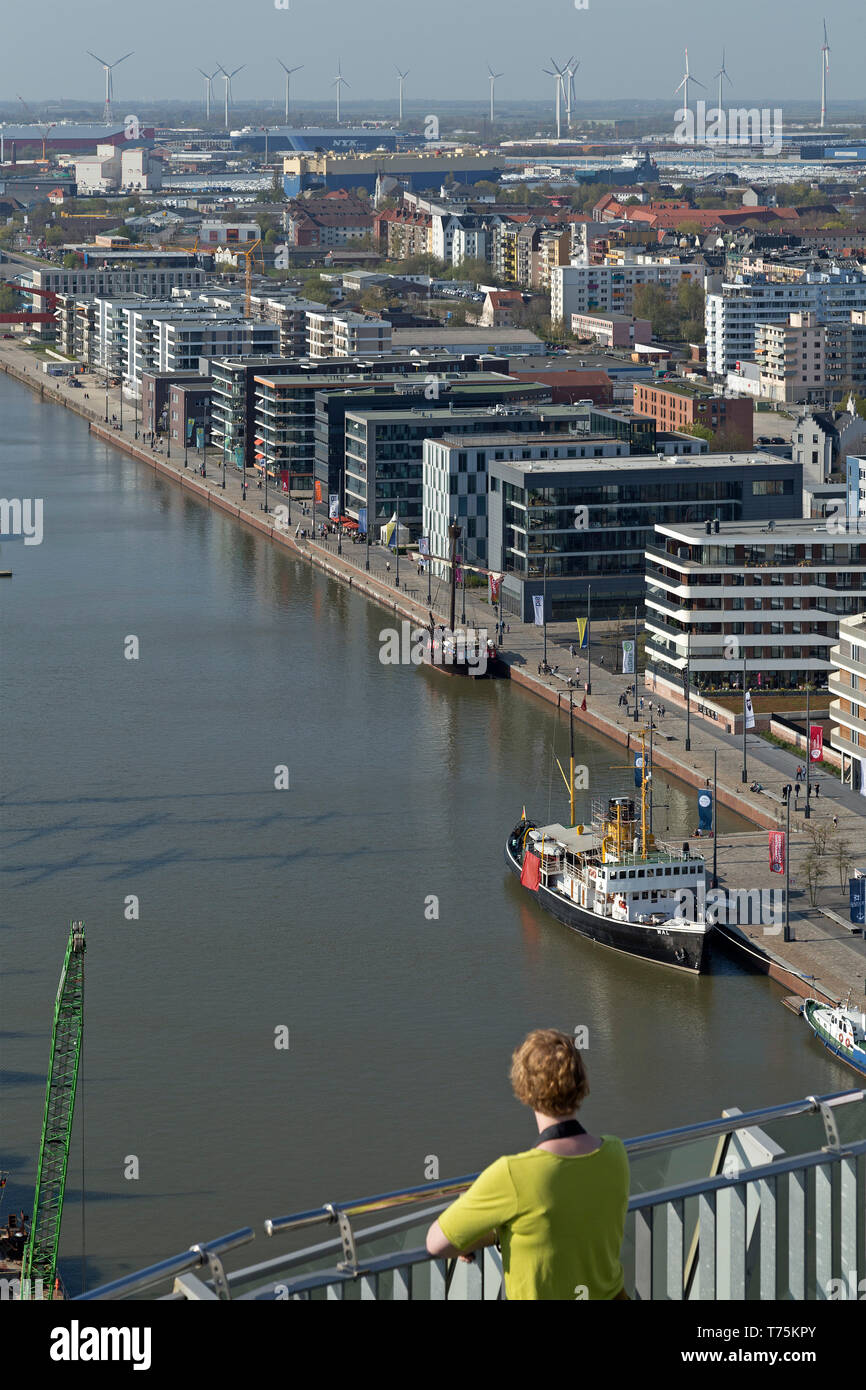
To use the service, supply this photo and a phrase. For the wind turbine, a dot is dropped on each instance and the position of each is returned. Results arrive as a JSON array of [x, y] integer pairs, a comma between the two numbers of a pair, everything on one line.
[[825, 68], [109, 82], [227, 79], [339, 82], [493, 77], [723, 76], [684, 85], [288, 72], [570, 70], [558, 74], [208, 88], [402, 76]]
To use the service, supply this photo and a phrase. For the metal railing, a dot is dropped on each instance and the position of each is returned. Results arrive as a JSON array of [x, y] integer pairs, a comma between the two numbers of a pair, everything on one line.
[[762, 1224]]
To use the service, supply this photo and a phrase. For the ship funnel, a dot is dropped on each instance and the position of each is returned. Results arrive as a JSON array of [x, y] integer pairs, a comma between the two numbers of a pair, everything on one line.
[[625, 805]]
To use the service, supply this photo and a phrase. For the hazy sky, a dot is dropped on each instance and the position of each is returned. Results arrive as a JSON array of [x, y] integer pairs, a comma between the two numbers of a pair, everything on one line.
[[627, 47]]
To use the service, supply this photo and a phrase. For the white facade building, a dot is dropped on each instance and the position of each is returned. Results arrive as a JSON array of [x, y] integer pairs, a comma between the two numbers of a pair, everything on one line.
[[589, 289], [847, 683], [733, 314]]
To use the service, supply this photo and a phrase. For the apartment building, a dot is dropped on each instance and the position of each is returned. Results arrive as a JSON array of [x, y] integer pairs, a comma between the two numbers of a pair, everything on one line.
[[765, 594], [346, 335], [555, 527], [681, 405], [734, 314], [151, 282], [792, 358], [588, 289], [847, 682]]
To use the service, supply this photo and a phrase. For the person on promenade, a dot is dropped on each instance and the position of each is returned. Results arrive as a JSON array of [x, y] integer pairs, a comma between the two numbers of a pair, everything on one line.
[[556, 1210]]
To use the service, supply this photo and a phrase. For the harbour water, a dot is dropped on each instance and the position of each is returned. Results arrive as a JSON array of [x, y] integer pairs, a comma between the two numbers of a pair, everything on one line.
[[364, 914]]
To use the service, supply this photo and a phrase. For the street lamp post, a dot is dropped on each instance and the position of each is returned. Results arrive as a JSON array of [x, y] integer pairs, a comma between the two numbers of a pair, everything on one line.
[[544, 611], [224, 455], [715, 824], [786, 935], [806, 809], [635, 666], [588, 639], [744, 775], [688, 693]]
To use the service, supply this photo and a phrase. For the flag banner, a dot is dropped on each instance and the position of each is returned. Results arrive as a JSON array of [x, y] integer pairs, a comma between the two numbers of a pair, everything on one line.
[[581, 631], [390, 528], [628, 658], [284, 479], [816, 743], [530, 870], [239, 455], [317, 492], [495, 582], [458, 574], [638, 768], [190, 431], [857, 900], [777, 851], [424, 545], [538, 609], [705, 810], [334, 506], [583, 704], [199, 439], [750, 713], [362, 521]]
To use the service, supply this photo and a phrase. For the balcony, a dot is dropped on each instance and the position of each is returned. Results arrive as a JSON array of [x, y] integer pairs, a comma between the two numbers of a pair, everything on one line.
[[731, 1208]]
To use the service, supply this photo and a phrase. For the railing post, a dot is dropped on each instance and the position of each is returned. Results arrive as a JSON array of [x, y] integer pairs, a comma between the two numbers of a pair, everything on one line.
[[797, 1236], [643, 1253]]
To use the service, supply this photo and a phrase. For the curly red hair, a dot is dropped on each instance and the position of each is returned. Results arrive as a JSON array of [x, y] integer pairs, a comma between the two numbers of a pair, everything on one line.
[[548, 1073]]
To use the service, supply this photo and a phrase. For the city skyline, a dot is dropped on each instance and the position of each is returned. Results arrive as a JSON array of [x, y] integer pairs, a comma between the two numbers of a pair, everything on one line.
[[449, 61]]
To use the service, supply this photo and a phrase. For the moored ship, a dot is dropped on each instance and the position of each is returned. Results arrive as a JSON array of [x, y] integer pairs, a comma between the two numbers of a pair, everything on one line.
[[614, 884], [841, 1030]]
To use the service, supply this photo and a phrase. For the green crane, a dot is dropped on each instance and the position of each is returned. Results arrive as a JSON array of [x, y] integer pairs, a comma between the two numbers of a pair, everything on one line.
[[40, 1252]]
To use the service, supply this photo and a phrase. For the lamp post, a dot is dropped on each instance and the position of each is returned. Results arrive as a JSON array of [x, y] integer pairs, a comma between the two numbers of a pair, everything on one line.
[[786, 935], [340, 511], [715, 824], [588, 639], [136, 414], [429, 576], [544, 611], [688, 693], [744, 775], [106, 393], [635, 666], [806, 809], [397, 543], [265, 471]]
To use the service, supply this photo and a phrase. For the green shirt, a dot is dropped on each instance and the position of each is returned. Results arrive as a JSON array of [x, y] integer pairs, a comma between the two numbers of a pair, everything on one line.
[[560, 1220]]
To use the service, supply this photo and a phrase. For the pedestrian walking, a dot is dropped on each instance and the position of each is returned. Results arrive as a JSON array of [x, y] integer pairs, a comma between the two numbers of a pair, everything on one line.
[[835, 822], [571, 650], [602, 658], [817, 790], [797, 792]]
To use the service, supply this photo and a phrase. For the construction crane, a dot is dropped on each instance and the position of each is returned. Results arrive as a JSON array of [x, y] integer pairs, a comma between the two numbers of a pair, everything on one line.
[[247, 252], [40, 1252], [45, 129]]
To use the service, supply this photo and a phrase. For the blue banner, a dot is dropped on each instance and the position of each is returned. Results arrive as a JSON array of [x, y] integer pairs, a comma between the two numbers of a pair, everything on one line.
[[638, 766], [199, 439], [362, 521], [705, 810], [857, 900]]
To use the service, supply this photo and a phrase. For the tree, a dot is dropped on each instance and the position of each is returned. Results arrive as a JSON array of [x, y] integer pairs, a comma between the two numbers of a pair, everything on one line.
[[814, 871], [840, 853], [9, 301], [277, 191], [72, 261]]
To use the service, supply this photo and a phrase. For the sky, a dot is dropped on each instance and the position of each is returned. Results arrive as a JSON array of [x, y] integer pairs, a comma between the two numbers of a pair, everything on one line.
[[627, 48]]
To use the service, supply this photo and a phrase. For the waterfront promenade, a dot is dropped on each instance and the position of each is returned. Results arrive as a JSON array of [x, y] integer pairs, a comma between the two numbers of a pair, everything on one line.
[[823, 947]]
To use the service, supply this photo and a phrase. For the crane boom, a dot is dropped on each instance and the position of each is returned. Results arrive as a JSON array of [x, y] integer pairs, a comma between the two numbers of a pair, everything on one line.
[[40, 1253]]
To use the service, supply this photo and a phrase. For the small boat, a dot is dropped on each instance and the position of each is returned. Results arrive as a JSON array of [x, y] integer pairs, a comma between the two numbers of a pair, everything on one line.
[[613, 883], [841, 1029]]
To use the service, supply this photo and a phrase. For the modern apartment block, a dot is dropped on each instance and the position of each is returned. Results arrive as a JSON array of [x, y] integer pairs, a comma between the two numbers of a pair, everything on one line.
[[595, 289], [680, 405], [153, 281], [767, 594], [734, 313], [285, 429], [455, 481], [346, 335], [848, 707], [556, 527], [385, 453]]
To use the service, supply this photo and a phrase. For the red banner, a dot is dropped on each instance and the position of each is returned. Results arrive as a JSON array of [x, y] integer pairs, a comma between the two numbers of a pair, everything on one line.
[[318, 491], [495, 580], [284, 478], [529, 874], [816, 743], [777, 851]]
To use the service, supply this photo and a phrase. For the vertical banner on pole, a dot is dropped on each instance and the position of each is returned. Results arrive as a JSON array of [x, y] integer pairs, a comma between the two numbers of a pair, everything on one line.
[[816, 743], [778, 850]]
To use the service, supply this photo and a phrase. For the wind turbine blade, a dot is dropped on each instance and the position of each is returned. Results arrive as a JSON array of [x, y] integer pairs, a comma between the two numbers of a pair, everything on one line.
[[124, 58], [98, 59]]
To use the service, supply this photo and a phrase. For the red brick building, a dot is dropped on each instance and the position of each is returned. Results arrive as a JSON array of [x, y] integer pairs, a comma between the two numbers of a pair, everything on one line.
[[677, 406]]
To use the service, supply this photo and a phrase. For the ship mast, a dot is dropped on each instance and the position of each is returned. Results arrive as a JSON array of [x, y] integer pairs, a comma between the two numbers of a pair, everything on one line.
[[643, 783], [571, 755], [453, 533]]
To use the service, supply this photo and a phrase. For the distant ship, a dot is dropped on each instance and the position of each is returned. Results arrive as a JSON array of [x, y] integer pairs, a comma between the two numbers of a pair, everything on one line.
[[613, 883], [841, 1030]]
